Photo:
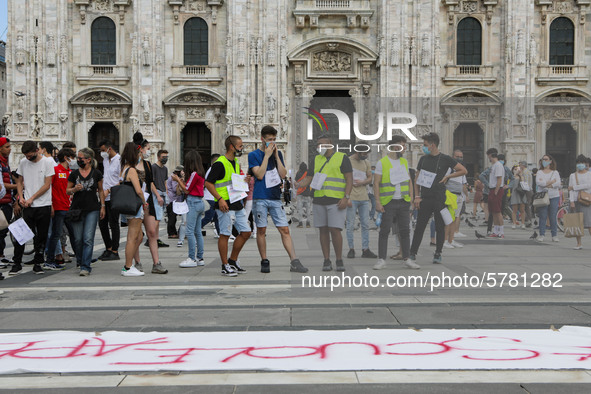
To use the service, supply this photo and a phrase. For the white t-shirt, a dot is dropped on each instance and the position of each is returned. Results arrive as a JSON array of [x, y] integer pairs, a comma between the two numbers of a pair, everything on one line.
[[497, 170], [34, 175], [394, 163], [583, 184], [112, 169], [207, 196], [542, 179]]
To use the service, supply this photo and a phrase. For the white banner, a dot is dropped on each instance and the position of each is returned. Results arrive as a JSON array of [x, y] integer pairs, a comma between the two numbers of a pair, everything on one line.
[[396, 349]]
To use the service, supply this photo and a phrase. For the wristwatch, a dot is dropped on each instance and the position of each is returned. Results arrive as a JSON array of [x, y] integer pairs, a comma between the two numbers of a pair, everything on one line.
[[347, 196]]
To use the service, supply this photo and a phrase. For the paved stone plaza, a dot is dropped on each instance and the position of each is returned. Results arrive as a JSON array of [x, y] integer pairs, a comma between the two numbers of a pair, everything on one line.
[[200, 299]]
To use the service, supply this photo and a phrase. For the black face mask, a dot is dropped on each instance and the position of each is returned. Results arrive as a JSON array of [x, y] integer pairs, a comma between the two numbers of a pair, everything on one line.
[[164, 160], [237, 152], [361, 157], [81, 163], [399, 154], [33, 158]]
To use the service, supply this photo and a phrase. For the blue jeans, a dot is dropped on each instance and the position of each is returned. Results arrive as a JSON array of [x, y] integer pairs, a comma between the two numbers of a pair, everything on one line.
[[210, 216], [55, 231], [59, 243], [194, 216], [84, 231], [551, 210], [363, 208], [372, 210]]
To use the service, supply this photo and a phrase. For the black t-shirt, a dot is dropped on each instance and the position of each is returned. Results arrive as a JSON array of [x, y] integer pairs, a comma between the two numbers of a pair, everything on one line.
[[86, 199], [346, 167], [218, 171], [439, 165], [308, 192]]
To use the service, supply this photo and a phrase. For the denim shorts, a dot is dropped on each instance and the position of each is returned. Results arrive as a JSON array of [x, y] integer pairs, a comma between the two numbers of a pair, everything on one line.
[[262, 208], [225, 221], [138, 215]]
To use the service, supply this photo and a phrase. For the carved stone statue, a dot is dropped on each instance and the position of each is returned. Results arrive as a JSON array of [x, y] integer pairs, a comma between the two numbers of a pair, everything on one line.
[[271, 105], [395, 51], [21, 54], [229, 125], [64, 124], [49, 102], [51, 54], [146, 51]]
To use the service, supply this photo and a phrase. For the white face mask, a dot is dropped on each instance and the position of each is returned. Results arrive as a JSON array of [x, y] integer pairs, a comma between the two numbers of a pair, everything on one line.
[[73, 164], [147, 155], [105, 155]]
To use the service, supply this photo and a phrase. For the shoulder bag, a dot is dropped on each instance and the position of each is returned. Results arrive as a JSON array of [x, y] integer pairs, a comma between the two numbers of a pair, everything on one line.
[[584, 197], [124, 199]]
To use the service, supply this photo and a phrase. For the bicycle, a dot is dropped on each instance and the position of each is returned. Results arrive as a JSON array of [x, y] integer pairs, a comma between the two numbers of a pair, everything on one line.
[[563, 210]]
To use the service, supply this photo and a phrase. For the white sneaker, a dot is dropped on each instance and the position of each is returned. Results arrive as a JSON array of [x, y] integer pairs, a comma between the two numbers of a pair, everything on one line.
[[179, 244], [460, 235], [513, 226], [131, 272], [188, 263], [523, 226], [555, 239], [215, 234], [456, 244], [200, 262], [447, 245], [232, 238], [578, 248], [411, 264], [380, 264], [540, 239]]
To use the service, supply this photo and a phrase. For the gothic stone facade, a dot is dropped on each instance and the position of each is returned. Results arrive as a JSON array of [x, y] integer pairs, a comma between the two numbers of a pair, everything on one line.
[[268, 58]]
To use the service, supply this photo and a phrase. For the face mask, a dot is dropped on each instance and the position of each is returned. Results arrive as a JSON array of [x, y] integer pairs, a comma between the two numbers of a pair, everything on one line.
[[361, 157], [164, 160], [81, 163], [33, 158], [581, 166], [267, 143], [146, 155], [373, 171], [545, 163], [139, 160], [105, 155], [460, 160], [73, 164], [502, 162], [426, 150]]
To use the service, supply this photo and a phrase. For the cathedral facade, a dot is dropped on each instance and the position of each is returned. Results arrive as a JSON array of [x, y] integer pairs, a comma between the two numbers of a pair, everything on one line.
[[511, 74]]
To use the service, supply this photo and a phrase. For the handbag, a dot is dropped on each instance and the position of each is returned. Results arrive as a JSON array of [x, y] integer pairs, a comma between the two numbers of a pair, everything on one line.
[[584, 197], [124, 199], [73, 215], [541, 199], [180, 207], [573, 225]]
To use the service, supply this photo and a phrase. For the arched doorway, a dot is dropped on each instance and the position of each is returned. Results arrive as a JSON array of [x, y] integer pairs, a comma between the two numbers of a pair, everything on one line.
[[330, 99], [196, 136], [561, 144], [469, 138], [102, 131]]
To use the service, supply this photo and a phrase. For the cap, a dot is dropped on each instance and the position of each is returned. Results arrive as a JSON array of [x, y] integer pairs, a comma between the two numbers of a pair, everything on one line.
[[179, 168]]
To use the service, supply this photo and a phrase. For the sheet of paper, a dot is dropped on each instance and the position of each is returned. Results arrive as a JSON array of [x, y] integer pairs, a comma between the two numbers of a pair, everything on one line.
[[426, 178], [318, 181], [21, 232], [398, 174], [272, 178], [446, 215], [146, 196], [236, 195], [239, 182], [359, 175]]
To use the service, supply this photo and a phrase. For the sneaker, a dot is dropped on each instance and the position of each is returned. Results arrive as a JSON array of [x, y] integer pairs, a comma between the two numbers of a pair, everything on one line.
[[159, 269], [179, 244], [162, 244], [368, 254], [513, 226], [436, 259], [555, 239], [38, 270], [105, 254], [578, 247], [188, 263], [215, 234], [432, 244], [15, 270], [501, 236], [523, 226], [236, 266], [111, 257], [380, 264], [448, 245], [491, 235], [459, 235], [327, 265], [340, 265], [53, 267], [147, 243], [139, 266], [300, 225], [351, 254], [457, 244], [232, 238], [200, 262], [308, 225], [228, 271], [540, 239], [203, 233], [84, 273], [133, 271], [67, 258], [265, 266], [411, 263], [296, 266]]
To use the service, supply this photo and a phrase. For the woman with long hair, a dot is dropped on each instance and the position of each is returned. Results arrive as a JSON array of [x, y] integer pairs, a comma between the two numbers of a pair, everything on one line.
[[548, 180], [144, 170], [192, 186], [84, 184], [129, 176], [518, 200], [579, 181]]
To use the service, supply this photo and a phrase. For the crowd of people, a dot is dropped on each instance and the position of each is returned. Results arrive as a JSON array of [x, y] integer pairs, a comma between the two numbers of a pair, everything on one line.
[[63, 194]]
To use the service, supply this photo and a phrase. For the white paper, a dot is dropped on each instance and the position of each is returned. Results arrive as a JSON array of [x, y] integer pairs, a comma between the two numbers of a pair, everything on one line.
[[359, 175], [446, 216], [426, 178], [398, 174], [21, 232], [239, 182], [236, 195], [318, 181], [272, 178], [525, 186]]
